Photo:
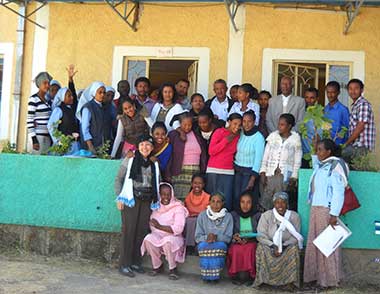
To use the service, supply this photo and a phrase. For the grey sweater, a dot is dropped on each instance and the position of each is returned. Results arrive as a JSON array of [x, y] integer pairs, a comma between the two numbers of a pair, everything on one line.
[[222, 228]]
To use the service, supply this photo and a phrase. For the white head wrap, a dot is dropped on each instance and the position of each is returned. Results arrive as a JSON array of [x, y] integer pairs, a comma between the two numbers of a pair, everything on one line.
[[87, 95]]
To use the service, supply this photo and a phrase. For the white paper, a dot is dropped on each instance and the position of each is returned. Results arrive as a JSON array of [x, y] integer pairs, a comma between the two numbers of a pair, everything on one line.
[[329, 240]]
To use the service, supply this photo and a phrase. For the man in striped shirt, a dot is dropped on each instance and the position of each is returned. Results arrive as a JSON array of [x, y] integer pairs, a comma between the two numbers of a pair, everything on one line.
[[39, 110]]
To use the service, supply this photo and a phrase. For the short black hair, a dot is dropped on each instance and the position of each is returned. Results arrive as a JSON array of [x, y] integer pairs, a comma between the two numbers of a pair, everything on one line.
[[356, 81], [195, 95], [236, 86], [142, 80], [185, 115], [334, 84], [198, 175], [183, 80], [159, 125], [253, 92], [160, 95], [250, 113], [206, 111], [332, 146], [264, 92], [313, 90], [233, 116], [289, 118], [221, 81]]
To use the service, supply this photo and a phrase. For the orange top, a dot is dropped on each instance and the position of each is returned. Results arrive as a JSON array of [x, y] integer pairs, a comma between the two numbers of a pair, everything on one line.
[[196, 204]]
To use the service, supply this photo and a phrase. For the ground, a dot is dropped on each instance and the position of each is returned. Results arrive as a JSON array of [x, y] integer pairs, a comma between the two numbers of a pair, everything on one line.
[[22, 273]]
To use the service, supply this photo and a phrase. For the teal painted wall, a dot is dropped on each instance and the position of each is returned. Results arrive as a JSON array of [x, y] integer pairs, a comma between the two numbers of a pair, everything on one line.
[[77, 193], [366, 186]]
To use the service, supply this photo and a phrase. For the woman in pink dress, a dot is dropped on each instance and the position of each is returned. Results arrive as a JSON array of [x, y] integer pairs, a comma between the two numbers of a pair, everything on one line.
[[167, 224]]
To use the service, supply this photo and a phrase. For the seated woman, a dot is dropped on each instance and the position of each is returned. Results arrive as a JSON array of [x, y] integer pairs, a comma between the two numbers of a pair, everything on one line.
[[166, 225], [189, 156], [196, 202], [63, 118], [277, 255], [131, 125], [213, 234], [241, 260], [162, 148]]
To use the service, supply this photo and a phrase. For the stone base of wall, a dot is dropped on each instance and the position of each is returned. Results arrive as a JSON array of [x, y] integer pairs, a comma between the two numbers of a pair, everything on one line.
[[361, 267]]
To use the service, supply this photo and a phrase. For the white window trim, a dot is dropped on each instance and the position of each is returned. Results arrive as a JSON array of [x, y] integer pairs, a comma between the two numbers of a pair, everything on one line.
[[357, 58], [6, 49], [202, 54]]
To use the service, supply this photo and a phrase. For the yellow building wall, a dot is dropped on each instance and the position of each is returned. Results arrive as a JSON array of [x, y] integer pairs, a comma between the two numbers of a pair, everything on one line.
[[267, 27]]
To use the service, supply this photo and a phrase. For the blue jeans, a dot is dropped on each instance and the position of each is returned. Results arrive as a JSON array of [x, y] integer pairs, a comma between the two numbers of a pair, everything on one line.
[[221, 183]]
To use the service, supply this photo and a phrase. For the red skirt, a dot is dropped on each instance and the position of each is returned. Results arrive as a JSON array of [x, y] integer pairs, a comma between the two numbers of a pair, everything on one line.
[[242, 258]]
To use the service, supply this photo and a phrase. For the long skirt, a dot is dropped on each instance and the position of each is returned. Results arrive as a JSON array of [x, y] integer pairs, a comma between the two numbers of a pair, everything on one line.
[[182, 182], [242, 258], [212, 259], [189, 232], [277, 271], [327, 271]]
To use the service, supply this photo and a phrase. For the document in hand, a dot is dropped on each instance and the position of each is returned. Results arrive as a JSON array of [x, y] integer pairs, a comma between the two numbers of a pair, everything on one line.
[[329, 240]]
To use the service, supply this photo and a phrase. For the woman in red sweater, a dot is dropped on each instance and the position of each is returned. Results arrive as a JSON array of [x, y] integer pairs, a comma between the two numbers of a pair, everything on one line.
[[220, 167]]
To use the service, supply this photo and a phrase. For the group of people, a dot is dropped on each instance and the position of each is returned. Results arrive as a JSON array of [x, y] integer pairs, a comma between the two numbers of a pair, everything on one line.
[[213, 177]]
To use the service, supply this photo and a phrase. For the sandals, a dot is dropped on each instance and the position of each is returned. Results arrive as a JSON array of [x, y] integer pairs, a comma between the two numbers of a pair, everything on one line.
[[173, 275], [157, 271]]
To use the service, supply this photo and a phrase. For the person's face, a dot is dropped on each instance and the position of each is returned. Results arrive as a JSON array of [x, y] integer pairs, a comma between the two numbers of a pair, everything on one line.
[[233, 94], [68, 98], [44, 87], [100, 93], [310, 98], [234, 126], [123, 88], [168, 94], [286, 86], [197, 185], [204, 122], [354, 91], [154, 95], [159, 136], [280, 206], [166, 195], [181, 88], [216, 203], [109, 97], [145, 148], [248, 123], [242, 95], [142, 89], [187, 124], [53, 90], [263, 101], [129, 109], [245, 203], [197, 103], [322, 153], [220, 90], [283, 126], [332, 94]]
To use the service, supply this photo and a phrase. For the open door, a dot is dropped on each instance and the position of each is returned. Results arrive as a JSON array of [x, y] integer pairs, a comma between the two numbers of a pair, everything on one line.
[[192, 76]]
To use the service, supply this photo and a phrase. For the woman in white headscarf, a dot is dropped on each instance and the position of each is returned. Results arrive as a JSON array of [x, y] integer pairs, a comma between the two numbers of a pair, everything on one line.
[[90, 113], [63, 117], [277, 254]]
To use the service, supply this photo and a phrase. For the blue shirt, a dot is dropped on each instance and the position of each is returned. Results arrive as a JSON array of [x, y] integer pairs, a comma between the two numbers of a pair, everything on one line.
[[340, 116], [328, 190], [250, 151], [310, 132]]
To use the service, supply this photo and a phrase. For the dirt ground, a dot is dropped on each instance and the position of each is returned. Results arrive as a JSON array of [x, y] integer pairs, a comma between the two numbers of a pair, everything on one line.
[[22, 273]]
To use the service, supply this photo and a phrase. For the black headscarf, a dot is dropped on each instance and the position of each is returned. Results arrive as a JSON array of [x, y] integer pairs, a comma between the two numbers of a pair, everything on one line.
[[253, 209], [138, 162]]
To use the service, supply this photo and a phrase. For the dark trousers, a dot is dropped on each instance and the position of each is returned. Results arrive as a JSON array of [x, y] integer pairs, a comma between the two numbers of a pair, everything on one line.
[[135, 226], [241, 180], [221, 183]]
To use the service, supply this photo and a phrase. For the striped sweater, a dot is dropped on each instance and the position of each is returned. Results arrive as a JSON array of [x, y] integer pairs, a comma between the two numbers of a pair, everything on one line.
[[38, 117]]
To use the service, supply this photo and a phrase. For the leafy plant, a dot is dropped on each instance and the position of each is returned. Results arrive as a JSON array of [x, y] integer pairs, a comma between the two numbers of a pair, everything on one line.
[[365, 162], [102, 151], [8, 148], [64, 142]]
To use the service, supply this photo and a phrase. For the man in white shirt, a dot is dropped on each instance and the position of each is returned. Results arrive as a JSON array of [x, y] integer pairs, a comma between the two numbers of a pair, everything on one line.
[[286, 102], [220, 104]]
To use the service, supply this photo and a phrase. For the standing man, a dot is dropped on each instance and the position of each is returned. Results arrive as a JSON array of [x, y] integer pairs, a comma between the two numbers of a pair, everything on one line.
[[220, 104], [142, 86], [181, 87], [336, 112], [123, 87], [361, 130], [285, 103]]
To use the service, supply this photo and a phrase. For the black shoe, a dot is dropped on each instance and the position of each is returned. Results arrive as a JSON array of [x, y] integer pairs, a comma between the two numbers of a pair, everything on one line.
[[127, 271], [138, 269]]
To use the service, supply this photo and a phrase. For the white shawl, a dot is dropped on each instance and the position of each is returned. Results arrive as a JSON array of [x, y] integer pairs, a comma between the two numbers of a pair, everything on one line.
[[285, 225], [126, 194], [215, 215]]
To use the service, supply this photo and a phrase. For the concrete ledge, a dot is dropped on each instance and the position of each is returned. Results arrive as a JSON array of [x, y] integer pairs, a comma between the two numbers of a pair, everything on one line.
[[361, 267]]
